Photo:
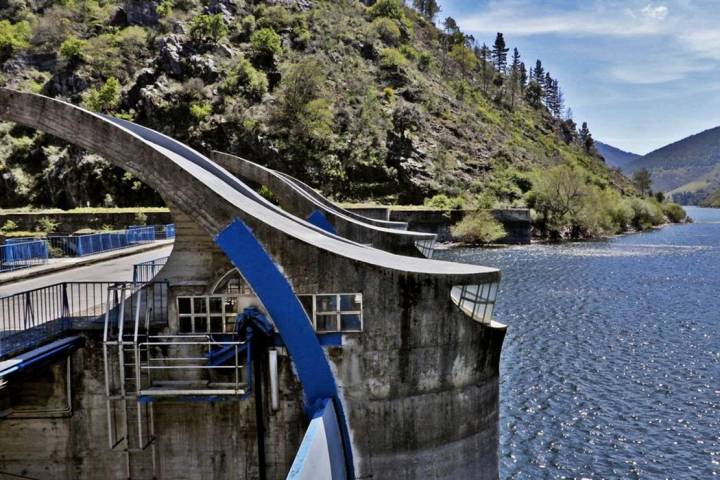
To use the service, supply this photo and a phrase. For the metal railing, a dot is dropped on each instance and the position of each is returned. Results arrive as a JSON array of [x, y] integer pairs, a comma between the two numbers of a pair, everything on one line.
[[30, 317], [23, 253], [146, 271], [88, 244], [165, 231]]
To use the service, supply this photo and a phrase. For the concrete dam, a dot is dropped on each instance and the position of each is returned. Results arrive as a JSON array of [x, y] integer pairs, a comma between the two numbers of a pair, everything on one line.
[[293, 339]]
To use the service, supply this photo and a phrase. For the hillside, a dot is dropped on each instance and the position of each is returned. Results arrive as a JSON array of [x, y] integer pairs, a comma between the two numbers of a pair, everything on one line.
[[615, 157], [688, 169], [364, 103]]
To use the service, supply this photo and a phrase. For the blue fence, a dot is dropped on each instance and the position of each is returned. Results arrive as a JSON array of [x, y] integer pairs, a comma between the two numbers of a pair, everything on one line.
[[137, 234], [22, 253], [170, 230]]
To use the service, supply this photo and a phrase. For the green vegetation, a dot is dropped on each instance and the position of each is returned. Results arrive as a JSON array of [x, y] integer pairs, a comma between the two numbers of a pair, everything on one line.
[[245, 79], [72, 48], [104, 99], [568, 205], [13, 37], [208, 28], [46, 225], [478, 227], [443, 202], [266, 43], [365, 103]]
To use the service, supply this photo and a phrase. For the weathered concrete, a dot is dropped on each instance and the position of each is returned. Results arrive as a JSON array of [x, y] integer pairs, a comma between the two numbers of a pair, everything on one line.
[[516, 222], [419, 385], [300, 200]]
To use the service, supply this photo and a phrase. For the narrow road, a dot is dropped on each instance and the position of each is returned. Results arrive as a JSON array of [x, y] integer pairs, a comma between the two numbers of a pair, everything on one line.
[[117, 269]]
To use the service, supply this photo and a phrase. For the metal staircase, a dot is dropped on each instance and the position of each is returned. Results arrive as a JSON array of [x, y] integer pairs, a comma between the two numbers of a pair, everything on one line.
[[143, 366]]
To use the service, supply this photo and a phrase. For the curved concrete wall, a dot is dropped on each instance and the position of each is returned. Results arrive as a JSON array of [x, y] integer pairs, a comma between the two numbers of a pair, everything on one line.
[[419, 385], [302, 201]]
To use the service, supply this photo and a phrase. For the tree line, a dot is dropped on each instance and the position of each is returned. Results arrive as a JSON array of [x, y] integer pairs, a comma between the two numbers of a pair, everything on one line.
[[506, 75]]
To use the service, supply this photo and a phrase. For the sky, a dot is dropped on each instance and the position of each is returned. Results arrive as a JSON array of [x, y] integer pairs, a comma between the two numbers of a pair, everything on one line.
[[642, 73]]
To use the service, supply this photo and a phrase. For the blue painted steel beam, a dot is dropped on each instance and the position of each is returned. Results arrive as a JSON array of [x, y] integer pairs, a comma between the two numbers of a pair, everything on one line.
[[274, 291], [34, 357]]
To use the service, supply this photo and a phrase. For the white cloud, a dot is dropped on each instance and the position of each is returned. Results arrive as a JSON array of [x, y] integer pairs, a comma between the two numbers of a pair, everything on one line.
[[658, 12], [688, 31]]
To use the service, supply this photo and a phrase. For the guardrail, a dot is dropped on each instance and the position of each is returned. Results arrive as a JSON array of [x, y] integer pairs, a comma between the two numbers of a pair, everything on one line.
[[146, 271], [22, 253], [88, 244], [30, 317]]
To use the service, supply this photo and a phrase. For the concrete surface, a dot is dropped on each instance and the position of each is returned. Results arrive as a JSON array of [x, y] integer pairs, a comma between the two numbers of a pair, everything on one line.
[[112, 265], [419, 385]]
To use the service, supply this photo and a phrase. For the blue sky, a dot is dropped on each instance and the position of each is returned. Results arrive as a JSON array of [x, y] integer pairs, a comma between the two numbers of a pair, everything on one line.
[[641, 73]]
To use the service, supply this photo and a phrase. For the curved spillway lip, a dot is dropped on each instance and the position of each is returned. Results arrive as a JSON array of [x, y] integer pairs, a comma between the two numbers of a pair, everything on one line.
[[350, 218], [326, 205], [169, 144], [221, 182], [319, 199], [292, 228]]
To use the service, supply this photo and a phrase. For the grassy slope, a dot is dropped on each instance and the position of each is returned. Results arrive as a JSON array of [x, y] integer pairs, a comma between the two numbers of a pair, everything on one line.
[[464, 140]]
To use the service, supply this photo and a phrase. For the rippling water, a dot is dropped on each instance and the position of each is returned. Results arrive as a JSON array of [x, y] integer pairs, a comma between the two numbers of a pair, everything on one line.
[[611, 365]]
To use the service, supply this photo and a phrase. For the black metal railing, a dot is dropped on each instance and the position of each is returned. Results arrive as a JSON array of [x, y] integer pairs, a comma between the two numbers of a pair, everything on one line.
[[31, 317], [146, 271]]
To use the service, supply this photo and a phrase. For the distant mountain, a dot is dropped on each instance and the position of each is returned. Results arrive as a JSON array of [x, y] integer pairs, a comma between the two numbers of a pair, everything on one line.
[[689, 169], [616, 157]]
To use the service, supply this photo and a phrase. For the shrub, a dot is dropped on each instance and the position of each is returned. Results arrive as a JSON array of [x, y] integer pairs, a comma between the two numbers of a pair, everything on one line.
[[8, 226], [674, 212], [13, 37], [266, 43], [106, 98], [316, 120], [409, 52], [301, 37], [464, 57], [388, 8], [389, 93], [275, 17], [387, 30], [268, 195], [47, 225], [200, 111], [646, 213], [165, 8], [72, 48], [247, 24], [246, 78], [478, 227], [392, 59], [301, 83], [140, 219], [426, 61], [208, 28], [443, 202]]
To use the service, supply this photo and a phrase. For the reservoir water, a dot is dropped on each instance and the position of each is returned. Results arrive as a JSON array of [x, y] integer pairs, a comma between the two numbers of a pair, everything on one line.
[[611, 364]]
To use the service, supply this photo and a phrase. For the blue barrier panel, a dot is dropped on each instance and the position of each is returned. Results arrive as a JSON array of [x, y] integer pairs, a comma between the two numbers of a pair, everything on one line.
[[140, 234], [16, 255], [170, 230]]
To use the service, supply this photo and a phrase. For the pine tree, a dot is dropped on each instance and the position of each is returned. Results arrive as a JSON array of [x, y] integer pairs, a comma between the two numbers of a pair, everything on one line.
[[586, 139], [523, 77], [454, 35], [486, 69], [538, 74], [499, 53], [427, 8], [515, 83]]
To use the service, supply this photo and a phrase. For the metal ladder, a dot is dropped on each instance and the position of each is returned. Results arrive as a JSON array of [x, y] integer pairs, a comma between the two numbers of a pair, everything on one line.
[[130, 421]]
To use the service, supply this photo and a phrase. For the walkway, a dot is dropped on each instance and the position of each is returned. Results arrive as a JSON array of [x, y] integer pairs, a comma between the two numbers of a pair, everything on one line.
[[114, 269]]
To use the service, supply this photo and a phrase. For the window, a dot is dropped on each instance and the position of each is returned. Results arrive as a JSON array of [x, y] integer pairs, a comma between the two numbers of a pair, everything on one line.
[[336, 312], [207, 314]]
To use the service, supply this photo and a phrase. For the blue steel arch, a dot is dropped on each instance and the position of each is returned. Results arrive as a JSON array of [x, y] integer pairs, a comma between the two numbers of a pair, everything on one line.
[[274, 291]]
